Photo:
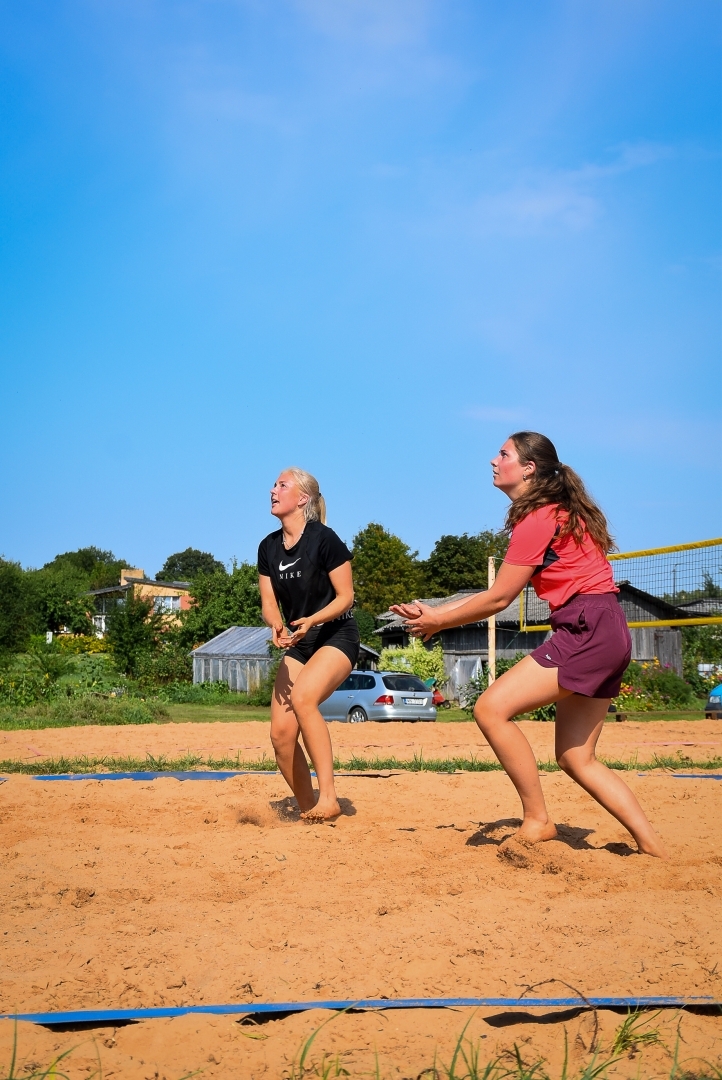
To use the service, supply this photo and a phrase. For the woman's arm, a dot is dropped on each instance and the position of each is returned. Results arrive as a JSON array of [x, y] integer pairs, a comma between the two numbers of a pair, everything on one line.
[[425, 621], [342, 580], [270, 610]]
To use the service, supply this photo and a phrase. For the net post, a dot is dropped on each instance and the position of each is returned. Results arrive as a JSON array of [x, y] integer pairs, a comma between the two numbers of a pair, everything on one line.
[[491, 625]]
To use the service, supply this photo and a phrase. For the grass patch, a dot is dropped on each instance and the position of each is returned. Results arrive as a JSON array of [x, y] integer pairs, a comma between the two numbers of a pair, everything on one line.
[[80, 765], [233, 709], [82, 711], [227, 713], [517, 1063], [458, 716]]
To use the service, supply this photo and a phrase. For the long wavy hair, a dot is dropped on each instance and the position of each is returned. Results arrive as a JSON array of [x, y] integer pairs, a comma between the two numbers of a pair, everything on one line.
[[553, 482], [315, 508]]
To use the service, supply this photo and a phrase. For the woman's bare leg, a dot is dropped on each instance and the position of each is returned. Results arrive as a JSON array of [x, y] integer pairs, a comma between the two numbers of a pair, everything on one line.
[[284, 736], [578, 727], [323, 674], [524, 687]]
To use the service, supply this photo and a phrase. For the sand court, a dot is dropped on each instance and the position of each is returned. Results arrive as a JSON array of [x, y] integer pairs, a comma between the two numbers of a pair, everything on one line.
[[136, 894]]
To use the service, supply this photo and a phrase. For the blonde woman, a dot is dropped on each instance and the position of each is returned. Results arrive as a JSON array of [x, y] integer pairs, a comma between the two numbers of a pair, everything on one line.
[[304, 571]]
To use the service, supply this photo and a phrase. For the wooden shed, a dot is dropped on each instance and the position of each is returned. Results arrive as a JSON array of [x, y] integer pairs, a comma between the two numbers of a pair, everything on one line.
[[466, 648]]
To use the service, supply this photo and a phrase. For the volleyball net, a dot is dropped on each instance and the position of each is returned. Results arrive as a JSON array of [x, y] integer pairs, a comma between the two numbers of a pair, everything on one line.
[[668, 586]]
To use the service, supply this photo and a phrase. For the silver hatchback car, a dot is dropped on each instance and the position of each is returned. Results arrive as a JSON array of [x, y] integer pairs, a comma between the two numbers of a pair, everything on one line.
[[379, 695]]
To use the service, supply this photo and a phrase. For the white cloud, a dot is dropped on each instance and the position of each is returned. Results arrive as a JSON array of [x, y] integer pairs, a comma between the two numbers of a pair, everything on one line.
[[523, 209], [568, 198], [381, 23]]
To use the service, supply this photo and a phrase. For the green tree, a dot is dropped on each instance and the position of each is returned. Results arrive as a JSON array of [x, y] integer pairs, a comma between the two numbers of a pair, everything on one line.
[[366, 625], [92, 567], [221, 600], [57, 601], [14, 622], [187, 565], [461, 562], [134, 631], [385, 570]]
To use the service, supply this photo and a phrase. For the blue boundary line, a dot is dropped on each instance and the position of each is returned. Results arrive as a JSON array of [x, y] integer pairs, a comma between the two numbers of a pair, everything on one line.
[[217, 774], [208, 774], [686, 776], [697, 776], [98, 1016]]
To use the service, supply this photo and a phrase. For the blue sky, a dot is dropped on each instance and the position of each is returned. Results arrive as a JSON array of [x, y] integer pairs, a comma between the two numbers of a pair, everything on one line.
[[367, 237]]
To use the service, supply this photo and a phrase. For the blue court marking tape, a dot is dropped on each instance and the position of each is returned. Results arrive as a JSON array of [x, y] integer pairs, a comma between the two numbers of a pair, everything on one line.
[[85, 1016], [687, 776], [698, 776], [211, 774]]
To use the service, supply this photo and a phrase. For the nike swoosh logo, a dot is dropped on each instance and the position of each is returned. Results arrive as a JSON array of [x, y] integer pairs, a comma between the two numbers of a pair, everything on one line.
[[282, 567]]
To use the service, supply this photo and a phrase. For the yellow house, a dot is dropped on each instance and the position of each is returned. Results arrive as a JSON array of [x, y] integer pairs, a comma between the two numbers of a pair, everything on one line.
[[169, 597]]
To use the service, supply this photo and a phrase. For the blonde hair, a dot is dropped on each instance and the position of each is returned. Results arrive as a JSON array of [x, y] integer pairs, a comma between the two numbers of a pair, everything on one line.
[[315, 508]]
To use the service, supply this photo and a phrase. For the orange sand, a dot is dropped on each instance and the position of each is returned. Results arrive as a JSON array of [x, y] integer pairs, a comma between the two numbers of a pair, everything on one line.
[[697, 739], [139, 894]]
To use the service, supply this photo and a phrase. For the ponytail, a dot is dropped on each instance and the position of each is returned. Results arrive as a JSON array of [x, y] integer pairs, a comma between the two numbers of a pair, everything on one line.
[[315, 508], [553, 482]]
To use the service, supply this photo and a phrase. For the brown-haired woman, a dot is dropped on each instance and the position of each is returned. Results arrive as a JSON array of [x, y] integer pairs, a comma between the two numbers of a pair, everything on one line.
[[306, 569], [559, 541]]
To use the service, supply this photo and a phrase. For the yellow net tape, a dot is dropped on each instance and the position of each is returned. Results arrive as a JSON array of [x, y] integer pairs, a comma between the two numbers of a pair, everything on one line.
[[667, 586]]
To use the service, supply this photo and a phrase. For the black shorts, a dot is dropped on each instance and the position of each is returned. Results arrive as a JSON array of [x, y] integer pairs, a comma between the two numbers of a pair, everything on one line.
[[341, 634]]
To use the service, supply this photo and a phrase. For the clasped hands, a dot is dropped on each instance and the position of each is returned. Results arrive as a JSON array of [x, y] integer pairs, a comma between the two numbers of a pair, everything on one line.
[[284, 639], [419, 619]]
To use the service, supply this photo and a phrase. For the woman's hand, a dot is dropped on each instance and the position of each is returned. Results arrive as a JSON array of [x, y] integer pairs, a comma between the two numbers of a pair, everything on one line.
[[420, 619], [301, 628], [277, 633]]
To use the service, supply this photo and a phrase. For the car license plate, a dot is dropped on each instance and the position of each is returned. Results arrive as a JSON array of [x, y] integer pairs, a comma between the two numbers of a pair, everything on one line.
[[414, 701]]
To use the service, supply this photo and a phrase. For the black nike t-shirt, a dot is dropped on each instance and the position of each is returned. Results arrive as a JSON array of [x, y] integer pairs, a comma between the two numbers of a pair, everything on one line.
[[299, 575]]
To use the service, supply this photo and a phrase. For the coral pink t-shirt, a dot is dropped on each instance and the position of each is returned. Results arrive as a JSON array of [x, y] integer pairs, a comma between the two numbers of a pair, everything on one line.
[[563, 567]]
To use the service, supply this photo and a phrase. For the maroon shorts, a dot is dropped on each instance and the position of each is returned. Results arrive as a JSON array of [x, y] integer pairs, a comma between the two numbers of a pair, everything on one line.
[[590, 645]]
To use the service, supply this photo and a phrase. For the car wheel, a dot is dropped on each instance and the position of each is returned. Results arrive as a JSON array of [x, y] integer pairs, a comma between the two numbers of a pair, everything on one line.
[[357, 715]]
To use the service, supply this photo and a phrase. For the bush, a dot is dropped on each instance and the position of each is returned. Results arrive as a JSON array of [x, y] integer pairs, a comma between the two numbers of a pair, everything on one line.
[[170, 663], [34, 676], [21, 687], [74, 644], [134, 631], [416, 658], [472, 691], [701, 645], [650, 686]]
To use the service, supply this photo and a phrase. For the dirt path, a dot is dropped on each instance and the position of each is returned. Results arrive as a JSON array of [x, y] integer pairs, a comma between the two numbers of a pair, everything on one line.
[[697, 739], [140, 894]]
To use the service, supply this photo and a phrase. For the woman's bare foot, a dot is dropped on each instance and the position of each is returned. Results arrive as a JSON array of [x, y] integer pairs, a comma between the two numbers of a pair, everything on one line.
[[655, 848], [322, 811], [305, 808], [534, 832]]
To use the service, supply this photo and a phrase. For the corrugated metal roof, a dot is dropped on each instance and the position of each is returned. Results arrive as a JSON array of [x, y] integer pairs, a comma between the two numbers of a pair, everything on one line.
[[237, 641], [245, 641], [537, 611]]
